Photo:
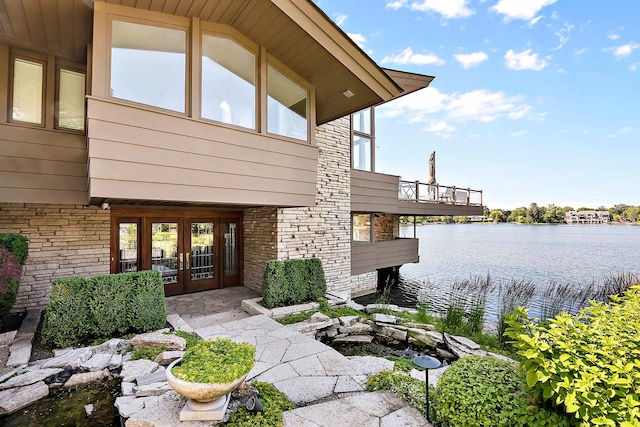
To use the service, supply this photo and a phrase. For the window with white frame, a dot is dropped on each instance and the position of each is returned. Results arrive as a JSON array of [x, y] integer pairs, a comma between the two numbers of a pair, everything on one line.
[[71, 90], [286, 106], [27, 94], [363, 140]]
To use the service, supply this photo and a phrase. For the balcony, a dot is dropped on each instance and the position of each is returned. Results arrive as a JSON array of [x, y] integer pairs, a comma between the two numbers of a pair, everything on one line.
[[368, 257], [376, 192]]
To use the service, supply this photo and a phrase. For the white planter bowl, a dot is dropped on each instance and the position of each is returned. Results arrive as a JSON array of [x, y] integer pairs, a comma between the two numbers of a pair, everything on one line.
[[201, 392]]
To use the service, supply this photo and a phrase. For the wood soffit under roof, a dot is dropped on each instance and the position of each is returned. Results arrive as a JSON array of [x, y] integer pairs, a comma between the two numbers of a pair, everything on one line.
[[321, 52]]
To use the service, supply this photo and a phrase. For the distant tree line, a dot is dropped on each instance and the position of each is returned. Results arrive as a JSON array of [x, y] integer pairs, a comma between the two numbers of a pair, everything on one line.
[[533, 214]]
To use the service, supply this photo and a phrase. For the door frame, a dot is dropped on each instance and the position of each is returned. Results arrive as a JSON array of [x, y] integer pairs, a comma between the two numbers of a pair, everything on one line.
[[143, 216]]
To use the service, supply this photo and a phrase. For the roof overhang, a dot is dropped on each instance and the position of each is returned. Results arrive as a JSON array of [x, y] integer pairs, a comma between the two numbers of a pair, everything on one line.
[[296, 32], [409, 82]]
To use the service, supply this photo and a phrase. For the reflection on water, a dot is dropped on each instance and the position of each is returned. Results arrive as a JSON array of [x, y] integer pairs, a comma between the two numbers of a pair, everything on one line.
[[575, 255]]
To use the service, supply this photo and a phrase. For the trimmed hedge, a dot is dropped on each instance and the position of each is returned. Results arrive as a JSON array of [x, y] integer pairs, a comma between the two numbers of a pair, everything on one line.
[[294, 281], [18, 246], [104, 306]]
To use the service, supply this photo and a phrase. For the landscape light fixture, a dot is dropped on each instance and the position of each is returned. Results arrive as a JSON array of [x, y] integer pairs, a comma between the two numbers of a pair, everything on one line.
[[348, 94], [427, 362]]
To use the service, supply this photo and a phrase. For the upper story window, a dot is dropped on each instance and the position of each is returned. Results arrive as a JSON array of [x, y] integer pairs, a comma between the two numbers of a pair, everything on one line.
[[27, 96], [32, 103], [228, 82], [363, 140], [148, 65], [287, 106]]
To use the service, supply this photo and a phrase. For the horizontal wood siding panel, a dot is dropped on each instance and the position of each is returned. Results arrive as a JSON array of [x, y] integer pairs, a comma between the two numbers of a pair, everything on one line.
[[366, 258], [42, 166], [373, 192], [141, 154]]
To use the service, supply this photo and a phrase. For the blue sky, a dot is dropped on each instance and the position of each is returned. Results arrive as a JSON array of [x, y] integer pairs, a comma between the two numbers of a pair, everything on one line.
[[533, 101]]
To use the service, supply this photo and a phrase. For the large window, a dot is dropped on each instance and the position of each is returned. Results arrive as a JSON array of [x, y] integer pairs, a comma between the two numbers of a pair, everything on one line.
[[148, 65], [287, 106], [361, 227], [362, 136], [32, 102], [27, 96], [228, 82]]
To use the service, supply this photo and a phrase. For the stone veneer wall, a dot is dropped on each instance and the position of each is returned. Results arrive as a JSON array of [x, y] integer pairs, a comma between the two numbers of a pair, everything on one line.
[[324, 231], [260, 229], [386, 227], [64, 241], [363, 284]]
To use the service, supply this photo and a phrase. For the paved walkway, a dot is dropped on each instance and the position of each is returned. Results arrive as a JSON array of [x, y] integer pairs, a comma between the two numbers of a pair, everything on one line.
[[304, 369]]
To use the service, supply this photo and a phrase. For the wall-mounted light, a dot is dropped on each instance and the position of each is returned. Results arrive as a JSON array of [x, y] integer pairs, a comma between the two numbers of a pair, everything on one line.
[[348, 94], [105, 206]]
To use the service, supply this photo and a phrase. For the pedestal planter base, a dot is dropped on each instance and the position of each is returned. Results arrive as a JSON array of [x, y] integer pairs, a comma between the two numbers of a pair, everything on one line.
[[205, 411]]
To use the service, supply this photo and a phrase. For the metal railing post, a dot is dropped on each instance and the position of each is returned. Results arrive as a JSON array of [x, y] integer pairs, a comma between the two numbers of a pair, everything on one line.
[[417, 191]]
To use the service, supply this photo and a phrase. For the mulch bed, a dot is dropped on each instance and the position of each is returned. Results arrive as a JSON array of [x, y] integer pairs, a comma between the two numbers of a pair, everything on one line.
[[12, 322]]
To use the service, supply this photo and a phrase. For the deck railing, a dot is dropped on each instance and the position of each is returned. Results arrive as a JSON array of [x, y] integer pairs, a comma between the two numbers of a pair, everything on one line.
[[416, 191]]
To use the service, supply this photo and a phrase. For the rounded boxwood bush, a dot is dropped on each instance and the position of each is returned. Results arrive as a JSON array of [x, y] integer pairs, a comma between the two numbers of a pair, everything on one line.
[[479, 391]]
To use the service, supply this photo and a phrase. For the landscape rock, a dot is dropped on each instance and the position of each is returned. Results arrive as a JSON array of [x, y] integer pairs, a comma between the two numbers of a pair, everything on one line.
[[461, 346], [348, 320], [127, 388], [159, 411], [343, 296], [155, 339], [68, 358], [153, 389], [390, 332], [87, 377], [88, 409], [137, 368], [423, 338], [358, 328], [97, 362], [354, 339], [166, 357], [178, 323], [386, 318], [308, 326], [351, 303], [29, 377], [7, 338], [159, 374], [12, 400], [113, 346], [319, 317], [425, 326], [129, 405], [115, 361]]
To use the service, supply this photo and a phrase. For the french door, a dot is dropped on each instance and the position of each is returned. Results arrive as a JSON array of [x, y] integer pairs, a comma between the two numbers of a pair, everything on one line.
[[193, 252]]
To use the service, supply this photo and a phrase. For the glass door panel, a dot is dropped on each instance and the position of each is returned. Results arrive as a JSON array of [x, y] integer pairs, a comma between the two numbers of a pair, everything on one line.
[[127, 247], [164, 250], [231, 256], [201, 263]]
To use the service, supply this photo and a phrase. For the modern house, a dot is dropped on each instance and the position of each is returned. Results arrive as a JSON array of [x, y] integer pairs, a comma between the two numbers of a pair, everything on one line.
[[587, 217], [198, 138]]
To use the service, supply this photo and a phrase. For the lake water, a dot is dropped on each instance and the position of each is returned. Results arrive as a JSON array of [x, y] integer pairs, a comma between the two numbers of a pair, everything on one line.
[[575, 254]]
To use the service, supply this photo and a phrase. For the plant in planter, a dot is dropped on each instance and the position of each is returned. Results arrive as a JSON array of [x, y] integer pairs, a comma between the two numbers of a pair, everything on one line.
[[208, 371]]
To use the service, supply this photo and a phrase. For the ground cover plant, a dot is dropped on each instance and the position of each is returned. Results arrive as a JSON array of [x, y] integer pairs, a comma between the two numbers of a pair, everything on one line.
[[274, 404], [410, 389], [588, 362]]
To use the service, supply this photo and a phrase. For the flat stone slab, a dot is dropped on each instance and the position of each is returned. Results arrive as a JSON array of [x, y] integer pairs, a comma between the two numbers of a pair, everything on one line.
[[12, 400], [386, 318], [98, 362], [68, 359], [7, 338], [178, 323], [155, 339], [153, 389], [303, 390], [166, 357], [29, 377], [137, 368], [19, 354], [359, 339], [87, 377]]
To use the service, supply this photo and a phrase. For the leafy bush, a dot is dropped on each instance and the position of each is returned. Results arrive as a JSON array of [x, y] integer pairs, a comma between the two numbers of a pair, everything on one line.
[[479, 391], [108, 305], [17, 245], [275, 403], [215, 361], [293, 281], [190, 337], [147, 353], [589, 362], [410, 389]]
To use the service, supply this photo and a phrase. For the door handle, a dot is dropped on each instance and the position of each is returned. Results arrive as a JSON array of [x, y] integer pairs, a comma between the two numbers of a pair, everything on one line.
[[188, 254], [181, 260]]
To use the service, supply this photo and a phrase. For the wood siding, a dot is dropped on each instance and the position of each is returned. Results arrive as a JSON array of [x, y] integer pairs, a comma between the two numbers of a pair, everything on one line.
[[140, 154], [42, 166], [378, 193], [369, 257]]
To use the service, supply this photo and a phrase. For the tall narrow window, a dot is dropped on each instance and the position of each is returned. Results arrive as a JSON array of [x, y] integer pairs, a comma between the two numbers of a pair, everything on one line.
[[361, 231], [148, 65], [228, 82], [128, 247], [71, 100], [286, 106], [362, 136], [27, 94]]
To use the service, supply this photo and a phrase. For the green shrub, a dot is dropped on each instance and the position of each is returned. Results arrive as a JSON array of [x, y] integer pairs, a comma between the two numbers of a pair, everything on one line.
[[17, 245], [295, 271], [8, 298], [104, 306], [147, 353], [274, 289], [215, 361], [190, 337], [68, 319], [479, 391], [317, 281], [274, 402], [589, 362], [410, 389]]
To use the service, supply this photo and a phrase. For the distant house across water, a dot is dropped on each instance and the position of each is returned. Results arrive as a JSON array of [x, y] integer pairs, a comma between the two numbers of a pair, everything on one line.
[[587, 217]]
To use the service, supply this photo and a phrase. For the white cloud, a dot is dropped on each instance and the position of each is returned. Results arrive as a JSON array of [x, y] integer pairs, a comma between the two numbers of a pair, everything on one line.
[[519, 133], [449, 9], [613, 36], [520, 9], [359, 39], [555, 16], [339, 18], [469, 60], [579, 51], [626, 129], [440, 111], [563, 35], [524, 60], [634, 66], [624, 50], [534, 21], [407, 56], [395, 4]]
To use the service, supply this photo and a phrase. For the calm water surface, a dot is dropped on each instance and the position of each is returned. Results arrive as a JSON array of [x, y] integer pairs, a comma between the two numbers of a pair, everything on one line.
[[576, 254]]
